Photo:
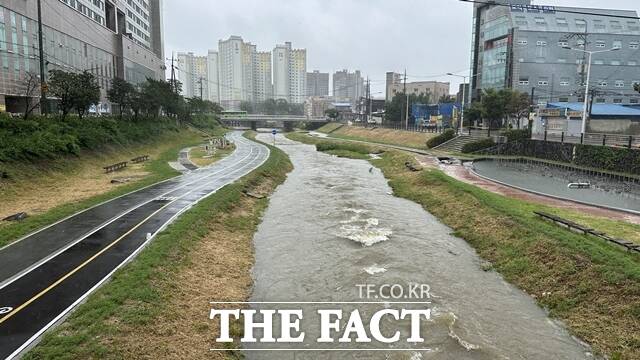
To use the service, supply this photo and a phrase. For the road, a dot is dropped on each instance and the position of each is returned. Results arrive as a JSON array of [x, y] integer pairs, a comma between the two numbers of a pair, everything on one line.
[[46, 274]]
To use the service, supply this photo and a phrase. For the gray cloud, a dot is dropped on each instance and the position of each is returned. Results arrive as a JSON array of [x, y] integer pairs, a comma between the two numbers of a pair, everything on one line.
[[428, 37]]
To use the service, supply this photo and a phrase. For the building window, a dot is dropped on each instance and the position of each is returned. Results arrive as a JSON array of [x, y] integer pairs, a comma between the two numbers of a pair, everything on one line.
[[619, 83], [562, 22], [634, 45], [632, 63], [615, 62], [581, 23], [563, 99], [617, 44], [598, 62], [541, 43], [600, 44], [617, 101], [543, 82], [562, 61], [603, 83], [524, 81], [615, 25], [633, 100], [600, 100], [563, 43], [540, 21], [522, 42], [564, 82]]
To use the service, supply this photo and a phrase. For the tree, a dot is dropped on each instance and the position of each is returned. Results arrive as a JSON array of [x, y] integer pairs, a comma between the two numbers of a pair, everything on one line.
[[473, 113], [282, 107], [518, 105], [332, 114], [63, 86], [636, 87], [394, 109], [31, 85], [121, 93], [87, 92], [269, 107], [247, 106], [494, 106]]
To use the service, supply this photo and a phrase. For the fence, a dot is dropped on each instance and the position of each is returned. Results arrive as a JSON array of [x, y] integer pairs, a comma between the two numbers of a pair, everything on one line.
[[613, 140], [395, 126]]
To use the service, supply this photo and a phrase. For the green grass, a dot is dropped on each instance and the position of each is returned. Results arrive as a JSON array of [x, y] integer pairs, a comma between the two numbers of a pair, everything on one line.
[[592, 285], [330, 127], [158, 168], [81, 336]]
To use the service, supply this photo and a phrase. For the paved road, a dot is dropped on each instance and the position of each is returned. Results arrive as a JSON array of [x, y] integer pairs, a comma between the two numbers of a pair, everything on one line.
[[46, 274]]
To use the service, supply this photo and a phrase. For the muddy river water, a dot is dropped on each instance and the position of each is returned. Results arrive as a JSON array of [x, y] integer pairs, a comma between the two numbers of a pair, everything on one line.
[[334, 225]]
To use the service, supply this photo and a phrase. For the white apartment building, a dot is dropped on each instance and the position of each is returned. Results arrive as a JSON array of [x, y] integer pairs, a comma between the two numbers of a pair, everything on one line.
[[192, 72], [213, 79], [235, 72], [289, 73]]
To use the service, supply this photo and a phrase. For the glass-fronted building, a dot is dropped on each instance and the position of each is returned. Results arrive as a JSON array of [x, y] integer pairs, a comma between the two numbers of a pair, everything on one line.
[[523, 46]]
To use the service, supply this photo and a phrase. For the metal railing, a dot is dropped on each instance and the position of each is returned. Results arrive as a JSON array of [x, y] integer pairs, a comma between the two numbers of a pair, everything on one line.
[[613, 140]]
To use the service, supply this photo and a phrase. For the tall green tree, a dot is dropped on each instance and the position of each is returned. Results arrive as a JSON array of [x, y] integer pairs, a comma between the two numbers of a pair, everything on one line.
[[63, 85], [87, 92], [121, 93], [394, 109]]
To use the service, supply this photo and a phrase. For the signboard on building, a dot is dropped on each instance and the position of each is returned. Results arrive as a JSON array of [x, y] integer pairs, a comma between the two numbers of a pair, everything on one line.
[[3, 108], [550, 112], [539, 9]]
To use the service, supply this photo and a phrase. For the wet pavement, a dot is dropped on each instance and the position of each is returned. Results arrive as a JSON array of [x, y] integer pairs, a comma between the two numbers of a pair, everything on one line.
[[334, 225], [48, 273], [553, 182]]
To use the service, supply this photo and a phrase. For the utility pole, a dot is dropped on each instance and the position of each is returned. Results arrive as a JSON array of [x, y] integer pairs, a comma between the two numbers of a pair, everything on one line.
[[406, 111], [173, 73], [366, 104], [370, 100], [43, 78], [533, 94]]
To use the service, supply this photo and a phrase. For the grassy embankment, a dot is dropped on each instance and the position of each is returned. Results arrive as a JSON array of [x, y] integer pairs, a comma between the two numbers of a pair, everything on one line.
[[157, 306], [593, 286], [198, 155], [379, 135], [55, 167]]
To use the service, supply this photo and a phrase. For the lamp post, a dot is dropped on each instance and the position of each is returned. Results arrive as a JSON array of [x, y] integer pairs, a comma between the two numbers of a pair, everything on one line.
[[586, 86], [464, 97]]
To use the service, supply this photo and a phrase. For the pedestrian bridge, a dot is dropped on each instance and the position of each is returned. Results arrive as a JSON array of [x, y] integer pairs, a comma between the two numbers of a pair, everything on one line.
[[270, 121]]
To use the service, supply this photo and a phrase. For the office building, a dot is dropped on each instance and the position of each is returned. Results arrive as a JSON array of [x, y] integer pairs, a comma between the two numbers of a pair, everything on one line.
[[435, 89], [524, 47], [96, 36], [289, 73], [348, 87], [317, 83]]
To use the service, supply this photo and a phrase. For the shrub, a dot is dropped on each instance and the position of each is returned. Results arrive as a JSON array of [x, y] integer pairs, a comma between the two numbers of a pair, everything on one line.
[[441, 139], [477, 145], [330, 146], [517, 135]]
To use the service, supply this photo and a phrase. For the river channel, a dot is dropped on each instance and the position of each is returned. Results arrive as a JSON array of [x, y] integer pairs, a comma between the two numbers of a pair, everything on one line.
[[334, 225]]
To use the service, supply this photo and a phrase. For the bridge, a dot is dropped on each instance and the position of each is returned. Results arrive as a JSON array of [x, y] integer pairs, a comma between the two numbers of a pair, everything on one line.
[[269, 121]]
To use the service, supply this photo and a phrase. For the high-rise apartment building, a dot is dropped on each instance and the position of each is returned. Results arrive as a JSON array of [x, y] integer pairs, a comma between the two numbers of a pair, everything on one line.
[[524, 47], [213, 78], [289, 73], [95, 36], [393, 79], [192, 72], [235, 72], [263, 85], [348, 86], [317, 84]]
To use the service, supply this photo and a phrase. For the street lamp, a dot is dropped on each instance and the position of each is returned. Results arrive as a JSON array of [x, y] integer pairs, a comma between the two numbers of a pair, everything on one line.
[[586, 91], [464, 97]]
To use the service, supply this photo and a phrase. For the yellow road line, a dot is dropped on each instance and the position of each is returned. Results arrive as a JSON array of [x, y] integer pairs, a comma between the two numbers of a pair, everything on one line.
[[79, 267]]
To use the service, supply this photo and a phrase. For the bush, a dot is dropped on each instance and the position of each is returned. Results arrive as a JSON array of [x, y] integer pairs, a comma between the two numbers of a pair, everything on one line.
[[441, 139], [48, 138], [477, 145], [517, 135], [331, 146]]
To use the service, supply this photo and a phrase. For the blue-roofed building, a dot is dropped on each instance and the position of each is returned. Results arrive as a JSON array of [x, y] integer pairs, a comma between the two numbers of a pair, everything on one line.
[[563, 117]]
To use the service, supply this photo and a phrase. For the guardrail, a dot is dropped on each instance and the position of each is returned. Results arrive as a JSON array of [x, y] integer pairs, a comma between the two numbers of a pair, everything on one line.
[[613, 140], [140, 159]]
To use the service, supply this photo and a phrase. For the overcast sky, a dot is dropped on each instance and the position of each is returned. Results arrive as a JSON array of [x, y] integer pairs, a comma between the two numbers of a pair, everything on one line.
[[427, 37]]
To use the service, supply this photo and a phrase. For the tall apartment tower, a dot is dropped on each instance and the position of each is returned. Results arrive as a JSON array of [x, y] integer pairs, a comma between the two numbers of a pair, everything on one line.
[[289, 73], [213, 79], [348, 86], [235, 65], [193, 74], [263, 85], [317, 84]]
